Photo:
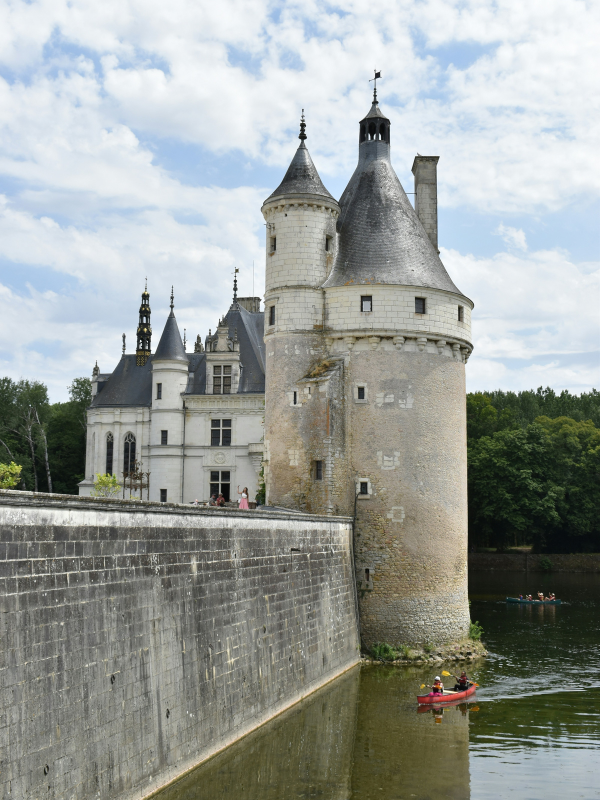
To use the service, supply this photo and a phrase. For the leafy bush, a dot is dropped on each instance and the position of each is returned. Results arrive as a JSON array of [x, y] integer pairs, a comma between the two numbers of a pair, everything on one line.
[[106, 485], [384, 652], [545, 564], [475, 631], [10, 475]]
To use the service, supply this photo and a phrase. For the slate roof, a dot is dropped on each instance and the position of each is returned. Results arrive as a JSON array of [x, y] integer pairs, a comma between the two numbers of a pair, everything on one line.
[[301, 178], [130, 385], [381, 239], [171, 345]]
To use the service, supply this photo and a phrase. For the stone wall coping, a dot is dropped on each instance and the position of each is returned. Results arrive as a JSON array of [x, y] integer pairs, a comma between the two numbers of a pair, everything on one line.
[[10, 497]]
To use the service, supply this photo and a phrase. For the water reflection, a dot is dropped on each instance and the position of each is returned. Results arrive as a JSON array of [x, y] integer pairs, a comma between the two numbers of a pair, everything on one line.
[[532, 730]]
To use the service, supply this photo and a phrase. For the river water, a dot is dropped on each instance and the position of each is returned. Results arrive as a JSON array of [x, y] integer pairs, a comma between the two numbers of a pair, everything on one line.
[[532, 733]]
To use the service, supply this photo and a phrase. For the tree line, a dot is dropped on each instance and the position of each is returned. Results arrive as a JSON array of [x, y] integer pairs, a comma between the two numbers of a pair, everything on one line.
[[533, 460], [534, 470], [46, 439]]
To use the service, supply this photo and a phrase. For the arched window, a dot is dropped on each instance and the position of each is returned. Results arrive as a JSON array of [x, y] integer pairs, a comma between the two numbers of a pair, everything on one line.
[[363, 133], [382, 131], [110, 445], [129, 453], [372, 130]]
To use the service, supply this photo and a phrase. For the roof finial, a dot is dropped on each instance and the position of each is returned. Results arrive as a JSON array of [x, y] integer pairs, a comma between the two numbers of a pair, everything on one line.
[[235, 272], [123, 344], [302, 135], [172, 295], [377, 75], [146, 285], [184, 339]]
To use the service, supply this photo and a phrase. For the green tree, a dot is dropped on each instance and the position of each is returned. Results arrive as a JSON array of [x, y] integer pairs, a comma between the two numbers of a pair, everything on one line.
[[106, 485], [67, 437]]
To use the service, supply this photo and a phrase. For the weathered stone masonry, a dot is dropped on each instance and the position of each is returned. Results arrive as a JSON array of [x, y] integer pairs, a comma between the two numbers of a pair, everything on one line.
[[139, 638]]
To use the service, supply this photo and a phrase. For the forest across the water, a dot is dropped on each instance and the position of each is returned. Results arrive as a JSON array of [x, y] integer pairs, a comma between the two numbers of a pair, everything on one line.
[[533, 460]]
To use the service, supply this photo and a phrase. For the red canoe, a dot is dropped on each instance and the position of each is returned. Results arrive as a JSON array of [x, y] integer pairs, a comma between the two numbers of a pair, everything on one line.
[[447, 697]]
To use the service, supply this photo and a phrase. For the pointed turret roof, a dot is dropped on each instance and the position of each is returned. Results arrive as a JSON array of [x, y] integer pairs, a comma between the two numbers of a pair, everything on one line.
[[381, 239], [170, 347], [302, 176]]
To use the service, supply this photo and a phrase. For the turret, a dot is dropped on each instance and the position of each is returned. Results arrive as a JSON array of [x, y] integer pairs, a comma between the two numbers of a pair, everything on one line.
[[300, 246]]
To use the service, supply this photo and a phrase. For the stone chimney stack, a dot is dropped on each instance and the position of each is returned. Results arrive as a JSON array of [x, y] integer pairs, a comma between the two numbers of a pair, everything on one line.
[[424, 169]]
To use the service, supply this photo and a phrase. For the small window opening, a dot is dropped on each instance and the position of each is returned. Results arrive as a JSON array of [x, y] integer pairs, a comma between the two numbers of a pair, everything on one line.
[[372, 130], [461, 314], [273, 244], [364, 487], [295, 398], [363, 133], [419, 305], [367, 574], [382, 132], [366, 303], [318, 470], [163, 495], [110, 445], [220, 433], [220, 483], [361, 393], [271, 315], [159, 391], [164, 437], [328, 244]]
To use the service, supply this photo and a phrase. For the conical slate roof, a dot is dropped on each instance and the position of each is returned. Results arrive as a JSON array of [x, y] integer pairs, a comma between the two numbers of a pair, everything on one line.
[[381, 239], [170, 347], [301, 178]]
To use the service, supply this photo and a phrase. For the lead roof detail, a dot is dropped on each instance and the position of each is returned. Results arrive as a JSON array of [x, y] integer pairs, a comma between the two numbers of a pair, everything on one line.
[[302, 176], [381, 239]]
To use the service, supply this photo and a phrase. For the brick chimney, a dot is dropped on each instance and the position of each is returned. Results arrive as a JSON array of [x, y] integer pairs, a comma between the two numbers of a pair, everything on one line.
[[424, 169]]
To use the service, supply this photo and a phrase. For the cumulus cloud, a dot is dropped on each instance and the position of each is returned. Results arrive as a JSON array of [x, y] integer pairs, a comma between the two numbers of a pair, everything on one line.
[[93, 96]]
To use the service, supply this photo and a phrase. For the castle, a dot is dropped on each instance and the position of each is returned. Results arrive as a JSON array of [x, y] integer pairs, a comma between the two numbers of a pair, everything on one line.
[[357, 366]]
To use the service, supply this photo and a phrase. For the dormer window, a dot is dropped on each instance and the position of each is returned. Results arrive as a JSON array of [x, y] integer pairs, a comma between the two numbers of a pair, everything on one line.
[[222, 379]]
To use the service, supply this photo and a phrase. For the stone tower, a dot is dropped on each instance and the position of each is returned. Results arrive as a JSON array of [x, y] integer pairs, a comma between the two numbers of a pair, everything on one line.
[[366, 414]]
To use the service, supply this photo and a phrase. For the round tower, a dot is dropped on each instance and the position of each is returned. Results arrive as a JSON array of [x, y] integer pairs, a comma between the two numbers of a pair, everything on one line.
[[300, 220], [402, 328]]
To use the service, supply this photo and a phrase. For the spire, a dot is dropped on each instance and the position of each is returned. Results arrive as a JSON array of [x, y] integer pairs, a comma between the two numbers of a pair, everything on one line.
[[144, 330], [123, 344], [302, 176], [377, 75], [170, 347], [235, 272], [302, 134], [381, 240]]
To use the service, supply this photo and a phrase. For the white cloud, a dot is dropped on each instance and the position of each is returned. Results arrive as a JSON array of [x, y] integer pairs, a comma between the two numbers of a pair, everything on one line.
[[513, 237]]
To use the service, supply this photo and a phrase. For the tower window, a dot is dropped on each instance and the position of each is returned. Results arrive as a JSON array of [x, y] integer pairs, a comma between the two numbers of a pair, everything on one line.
[[382, 132], [367, 574], [328, 244], [159, 391], [318, 470], [419, 305], [361, 392], [366, 303], [271, 315], [129, 453], [364, 487], [163, 495], [220, 433], [220, 483], [461, 314], [273, 244], [222, 379], [164, 437], [110, 445], [295, 398], [363, 133], [372, 130]]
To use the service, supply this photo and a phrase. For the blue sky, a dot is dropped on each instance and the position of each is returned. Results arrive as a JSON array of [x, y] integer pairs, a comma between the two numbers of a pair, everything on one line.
[[140, 139]]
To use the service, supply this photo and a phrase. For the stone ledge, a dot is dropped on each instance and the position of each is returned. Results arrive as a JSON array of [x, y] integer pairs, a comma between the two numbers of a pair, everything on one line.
[[10, 497]]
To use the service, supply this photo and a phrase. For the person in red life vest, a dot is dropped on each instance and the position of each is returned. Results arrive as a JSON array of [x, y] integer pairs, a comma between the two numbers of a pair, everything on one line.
[[462, 682], [438, 686]]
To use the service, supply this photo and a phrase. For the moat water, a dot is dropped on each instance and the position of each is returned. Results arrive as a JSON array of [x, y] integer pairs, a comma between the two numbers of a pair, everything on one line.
[[532, 732]]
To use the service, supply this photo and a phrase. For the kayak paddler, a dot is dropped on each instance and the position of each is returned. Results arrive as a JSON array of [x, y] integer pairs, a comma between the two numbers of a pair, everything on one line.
[[462, 682]]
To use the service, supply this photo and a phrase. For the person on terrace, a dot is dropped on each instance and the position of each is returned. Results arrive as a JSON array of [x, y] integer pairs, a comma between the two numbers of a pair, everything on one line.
[[244, 497]]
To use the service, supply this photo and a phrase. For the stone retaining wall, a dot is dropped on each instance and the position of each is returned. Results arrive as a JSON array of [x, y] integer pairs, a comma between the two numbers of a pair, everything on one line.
[[138, 638]]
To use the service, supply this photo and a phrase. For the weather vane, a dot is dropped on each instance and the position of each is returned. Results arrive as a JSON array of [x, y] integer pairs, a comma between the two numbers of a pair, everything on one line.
[[235, 272], [377, 75]]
